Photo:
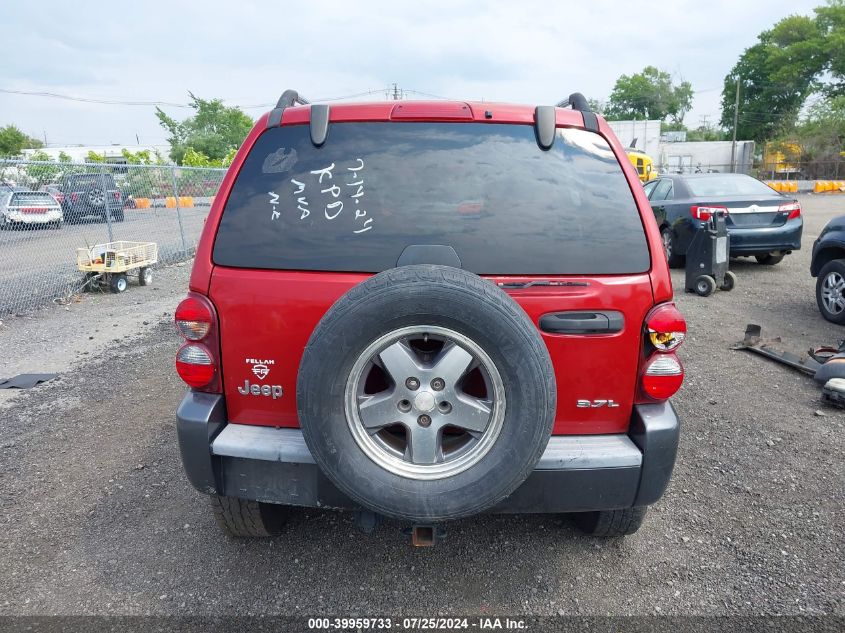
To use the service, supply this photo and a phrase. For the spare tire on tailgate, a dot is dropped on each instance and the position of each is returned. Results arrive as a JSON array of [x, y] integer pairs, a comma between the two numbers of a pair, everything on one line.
[[426, 393]]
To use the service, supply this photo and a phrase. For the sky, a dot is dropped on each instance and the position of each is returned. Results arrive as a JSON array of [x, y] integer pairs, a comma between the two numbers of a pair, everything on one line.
[[247, 53]]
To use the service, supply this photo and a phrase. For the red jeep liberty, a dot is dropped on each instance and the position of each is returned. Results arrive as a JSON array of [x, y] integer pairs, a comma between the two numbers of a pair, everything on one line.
[[426, 311]]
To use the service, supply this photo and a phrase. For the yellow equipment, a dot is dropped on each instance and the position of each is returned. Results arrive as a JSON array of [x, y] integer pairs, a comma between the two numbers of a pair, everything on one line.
[[643, 162], [110, 263]]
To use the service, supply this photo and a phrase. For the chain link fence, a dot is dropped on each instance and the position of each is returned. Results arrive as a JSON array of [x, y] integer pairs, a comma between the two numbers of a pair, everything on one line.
[[48, 210], [808, 170]]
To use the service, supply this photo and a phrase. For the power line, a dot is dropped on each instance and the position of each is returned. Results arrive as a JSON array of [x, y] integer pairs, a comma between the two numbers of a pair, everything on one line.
[[55, 95], [169, 104]]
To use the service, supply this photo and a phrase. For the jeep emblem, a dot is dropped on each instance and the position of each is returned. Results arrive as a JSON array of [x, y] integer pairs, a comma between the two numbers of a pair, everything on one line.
[[271, 391]]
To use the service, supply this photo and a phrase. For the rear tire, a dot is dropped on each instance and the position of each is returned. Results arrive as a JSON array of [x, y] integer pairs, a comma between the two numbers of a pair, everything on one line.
[[118, 283], [611, 523], [675, 260], [484, 328], [241, 518], [729, 283], [829, 291], [145, 276], [769, 259], [705, 286]]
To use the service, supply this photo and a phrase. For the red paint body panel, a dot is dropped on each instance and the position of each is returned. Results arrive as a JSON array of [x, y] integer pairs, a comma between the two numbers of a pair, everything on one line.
[[269, 314]]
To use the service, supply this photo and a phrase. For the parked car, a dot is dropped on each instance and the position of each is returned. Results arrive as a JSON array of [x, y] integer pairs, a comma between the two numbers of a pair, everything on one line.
[[828, 266], [29, 209], [54, 190], [761, 222], [355, 339], [86, 196]]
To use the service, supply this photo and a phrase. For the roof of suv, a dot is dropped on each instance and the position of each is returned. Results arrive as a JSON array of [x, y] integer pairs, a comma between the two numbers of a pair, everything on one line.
[[468, 111]]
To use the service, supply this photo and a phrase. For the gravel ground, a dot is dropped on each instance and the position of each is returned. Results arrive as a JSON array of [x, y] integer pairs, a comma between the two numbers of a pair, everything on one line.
[[97, 517]]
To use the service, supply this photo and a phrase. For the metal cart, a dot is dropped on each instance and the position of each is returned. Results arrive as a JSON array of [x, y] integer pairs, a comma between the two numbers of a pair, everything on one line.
[[707, 258], [112, 262]]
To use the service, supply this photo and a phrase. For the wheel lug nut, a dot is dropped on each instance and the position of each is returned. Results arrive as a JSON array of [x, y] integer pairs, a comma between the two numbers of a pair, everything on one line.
[[424, 420], [404, 406], [444, 407], [438, 384], [412, 383]]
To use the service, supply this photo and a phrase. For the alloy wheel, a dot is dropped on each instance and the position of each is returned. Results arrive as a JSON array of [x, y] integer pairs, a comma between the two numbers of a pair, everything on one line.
[[425, 402]]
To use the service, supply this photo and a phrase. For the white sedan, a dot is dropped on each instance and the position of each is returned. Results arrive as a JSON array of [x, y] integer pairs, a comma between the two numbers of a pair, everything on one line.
[[29, 209]]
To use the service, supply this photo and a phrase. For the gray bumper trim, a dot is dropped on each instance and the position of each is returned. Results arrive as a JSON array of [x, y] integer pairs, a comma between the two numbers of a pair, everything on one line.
[[562, 453], [262, 442]]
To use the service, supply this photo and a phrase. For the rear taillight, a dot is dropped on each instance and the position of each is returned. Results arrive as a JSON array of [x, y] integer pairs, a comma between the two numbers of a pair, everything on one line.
[[661, 373], [793, 209], [116, 195], [75, 196], [666, 327], [197, 360], [662, 377], [193, 319], [705, 213], [195, 365]]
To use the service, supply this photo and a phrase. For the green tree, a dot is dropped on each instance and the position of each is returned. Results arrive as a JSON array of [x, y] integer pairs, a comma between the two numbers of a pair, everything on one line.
[[13, 141], [775, 75], [141, 157], [821, 132], [44, 171], [214, 130], [830, 21], [596, 105], [650, 94]]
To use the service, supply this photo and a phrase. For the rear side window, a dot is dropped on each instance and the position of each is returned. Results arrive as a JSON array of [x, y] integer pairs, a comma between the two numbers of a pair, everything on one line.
[[32, 198], [487, 190], [663, 190], [89, 180], [728, 185]]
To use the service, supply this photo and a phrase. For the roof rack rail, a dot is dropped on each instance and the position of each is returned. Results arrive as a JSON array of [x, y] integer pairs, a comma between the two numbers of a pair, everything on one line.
[[288, 99], [577, 101]]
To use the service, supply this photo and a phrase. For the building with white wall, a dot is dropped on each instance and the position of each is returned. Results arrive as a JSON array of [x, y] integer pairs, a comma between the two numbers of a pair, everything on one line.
[[645, 135], [113, 153], [703, 156]]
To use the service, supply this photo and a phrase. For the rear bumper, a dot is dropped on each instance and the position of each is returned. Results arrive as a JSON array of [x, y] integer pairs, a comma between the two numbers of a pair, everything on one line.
[[34, 218], [766, 240], [575, 474], [753, 241]]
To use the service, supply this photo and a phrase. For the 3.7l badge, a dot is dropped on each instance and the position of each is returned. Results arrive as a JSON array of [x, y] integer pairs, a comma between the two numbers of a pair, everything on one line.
[[595, 404]]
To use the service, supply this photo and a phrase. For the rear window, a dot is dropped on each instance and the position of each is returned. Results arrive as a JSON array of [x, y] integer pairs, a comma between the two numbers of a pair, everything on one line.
[[89, 180], [728, 185], [32, 198], [486, 190]]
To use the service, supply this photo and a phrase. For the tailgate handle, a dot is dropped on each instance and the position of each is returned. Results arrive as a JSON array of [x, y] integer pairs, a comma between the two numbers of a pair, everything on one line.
[[582, 322]]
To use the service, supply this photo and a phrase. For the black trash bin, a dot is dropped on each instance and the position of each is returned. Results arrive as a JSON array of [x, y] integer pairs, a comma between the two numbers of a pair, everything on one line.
[[708, 256]]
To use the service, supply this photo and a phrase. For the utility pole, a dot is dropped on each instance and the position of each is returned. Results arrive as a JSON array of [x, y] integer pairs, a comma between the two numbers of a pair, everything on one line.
[[396, 92], [736, 117]]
